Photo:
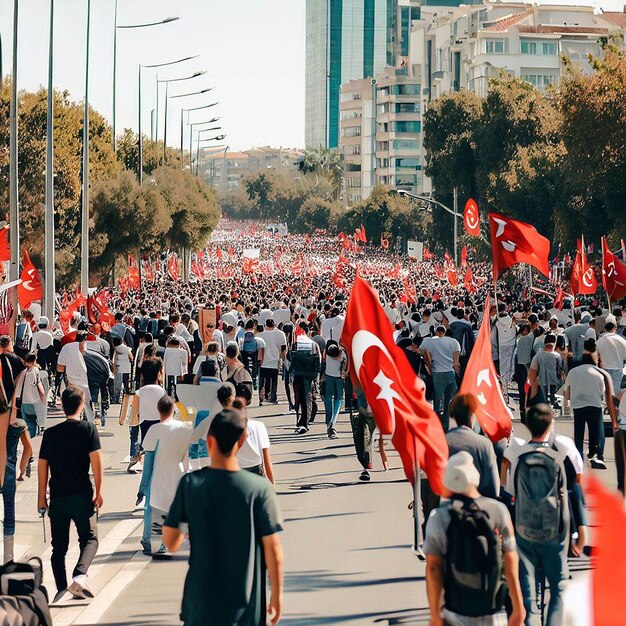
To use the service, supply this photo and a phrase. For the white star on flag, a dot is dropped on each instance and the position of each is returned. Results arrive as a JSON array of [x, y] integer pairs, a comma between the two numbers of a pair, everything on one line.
[[386, 392]]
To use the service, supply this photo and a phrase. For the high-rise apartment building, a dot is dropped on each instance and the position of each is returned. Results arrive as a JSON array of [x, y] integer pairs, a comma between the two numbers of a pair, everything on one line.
[[345, 40]]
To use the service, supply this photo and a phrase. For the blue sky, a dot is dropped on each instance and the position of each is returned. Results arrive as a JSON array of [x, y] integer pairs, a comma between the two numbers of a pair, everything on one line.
[[252, 50]]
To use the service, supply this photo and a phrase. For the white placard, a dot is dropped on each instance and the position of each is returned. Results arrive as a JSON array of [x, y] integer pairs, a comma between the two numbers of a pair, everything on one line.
[[415, 250], [251, 253]]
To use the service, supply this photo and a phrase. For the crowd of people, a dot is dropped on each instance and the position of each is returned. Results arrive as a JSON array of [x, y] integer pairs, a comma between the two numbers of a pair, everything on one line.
[[260, 319]]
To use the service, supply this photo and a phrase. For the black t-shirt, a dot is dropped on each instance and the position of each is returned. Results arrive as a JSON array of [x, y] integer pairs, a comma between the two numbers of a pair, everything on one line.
[[66, 447], [11, 367]]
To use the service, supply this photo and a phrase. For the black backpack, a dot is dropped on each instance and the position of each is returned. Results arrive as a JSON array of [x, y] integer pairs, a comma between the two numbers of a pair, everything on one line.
[[22, 589], [473, 579], [541, 508], [305, 363]]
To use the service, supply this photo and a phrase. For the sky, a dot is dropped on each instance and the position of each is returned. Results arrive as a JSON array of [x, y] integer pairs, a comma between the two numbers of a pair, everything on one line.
[[252, 52]]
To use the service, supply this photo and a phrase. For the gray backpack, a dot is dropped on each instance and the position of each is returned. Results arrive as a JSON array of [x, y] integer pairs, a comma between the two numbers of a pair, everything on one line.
[[541, 514]]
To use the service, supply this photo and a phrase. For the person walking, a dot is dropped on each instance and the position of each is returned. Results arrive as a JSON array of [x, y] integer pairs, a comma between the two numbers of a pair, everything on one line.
[[470, 555], [67, 451], [122, 368], [254, 455], [612, 353], [545, 373], [29, 395], [233, 522], [274, 352], [335, 372], [98, 377], [523, 359], [72, 364], [441, 354]]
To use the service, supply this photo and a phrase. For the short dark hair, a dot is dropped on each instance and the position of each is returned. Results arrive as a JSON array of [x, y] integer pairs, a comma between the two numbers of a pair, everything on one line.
[[539, 418], [590, 345], [165, 405], [224, 393], [117, 341], [333, 350], [5, 341], [227, 427], [150, 369], [81, 336], [549, 339], [232, 351], [71, 399], [462, 407], [269, 323]]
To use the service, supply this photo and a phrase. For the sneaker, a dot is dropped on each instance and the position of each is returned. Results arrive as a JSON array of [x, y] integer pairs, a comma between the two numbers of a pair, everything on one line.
[[146, 548], [161, 554], [597, 463], [332, 434], [133, 462], [260, 402], [80, 591], [365, 476], [301, 430]]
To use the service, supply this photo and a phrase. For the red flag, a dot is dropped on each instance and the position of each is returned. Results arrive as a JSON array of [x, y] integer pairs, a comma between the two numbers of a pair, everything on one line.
[[558, 301], [468, 280], [582, 279], [250, 265], [427, 254], [30, 289], [464, 256], [384, 243], [610, 554], [452, 278], [5, 247], [172, 266], [393, 391], [409, 291], [481, 379], [613, 273], [219, 253], [515, 242], [471, 218], [147, 270], [231, 252], [307, 240], [395, 272]]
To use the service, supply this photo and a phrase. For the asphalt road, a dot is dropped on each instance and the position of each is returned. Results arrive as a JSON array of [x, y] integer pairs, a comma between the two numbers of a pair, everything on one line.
[[347, 544]]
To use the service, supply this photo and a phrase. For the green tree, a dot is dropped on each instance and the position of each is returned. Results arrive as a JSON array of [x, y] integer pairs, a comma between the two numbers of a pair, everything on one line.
[[128, 153], [327, 163], [314, 213]]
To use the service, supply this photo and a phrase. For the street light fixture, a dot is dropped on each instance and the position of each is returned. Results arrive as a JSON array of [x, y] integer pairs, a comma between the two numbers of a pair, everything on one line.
[[188, 111], [166, 20], [216, 138], [140, 140], [191, 127]]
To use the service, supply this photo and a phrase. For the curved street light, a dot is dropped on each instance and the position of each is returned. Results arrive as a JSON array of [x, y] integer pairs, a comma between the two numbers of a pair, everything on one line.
[[216, 138], [182, 128], [166, 20]]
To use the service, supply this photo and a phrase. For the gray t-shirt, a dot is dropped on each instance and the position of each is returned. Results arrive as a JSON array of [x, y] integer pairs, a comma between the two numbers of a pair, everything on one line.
[[436, 540], [442, 351], [586, 384], [548, 366]]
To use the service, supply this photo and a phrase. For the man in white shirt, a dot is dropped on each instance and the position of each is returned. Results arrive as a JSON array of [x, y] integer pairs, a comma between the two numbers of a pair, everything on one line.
[[332, 327], [174, 364], [42, 345], [275, 348], [165, 463], [254, 454], [72, 363], [612, 353]]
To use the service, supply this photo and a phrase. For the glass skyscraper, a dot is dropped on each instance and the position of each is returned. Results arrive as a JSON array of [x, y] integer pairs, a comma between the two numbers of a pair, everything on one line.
[[345, 40]]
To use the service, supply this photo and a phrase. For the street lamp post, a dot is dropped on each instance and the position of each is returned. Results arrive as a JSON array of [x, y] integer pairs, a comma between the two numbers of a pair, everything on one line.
[[167, 20], [49, 219], [14, 222], [167, 82], [84, 240], [182, 129], [191, 127], [218, 138], [140, 138], [182, 111]]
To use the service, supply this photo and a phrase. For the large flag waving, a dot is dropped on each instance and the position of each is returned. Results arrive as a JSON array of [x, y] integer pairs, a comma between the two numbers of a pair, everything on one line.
[[393, 391], [30, 289], [515, 242], [582, 279], [480, 379], [5, 247], [471, 218], [613, 273]]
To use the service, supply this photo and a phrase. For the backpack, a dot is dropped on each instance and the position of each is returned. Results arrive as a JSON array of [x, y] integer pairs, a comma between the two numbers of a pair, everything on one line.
[[22, 337], [22, 590], [473, 580], [243, 388], [249, 342], [540, 495], [304, 363]]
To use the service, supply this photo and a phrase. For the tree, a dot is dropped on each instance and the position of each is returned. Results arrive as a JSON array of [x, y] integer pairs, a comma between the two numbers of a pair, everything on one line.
[[327, 163], [128, 153], [314, 213]]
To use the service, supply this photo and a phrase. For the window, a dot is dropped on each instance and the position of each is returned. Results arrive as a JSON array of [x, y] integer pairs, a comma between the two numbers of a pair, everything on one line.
[[494, 46], [382, 162], [540, 80], [354, 150], [406, 144], [352, 167], [383, 108], [352, 131], [383, 146], [412, 163], [350, 115], [408, 127], [350, 95], [383, 91], [549, 47], [406, 180], [353, 181], [406, 90], [528, 47], [407, 107]]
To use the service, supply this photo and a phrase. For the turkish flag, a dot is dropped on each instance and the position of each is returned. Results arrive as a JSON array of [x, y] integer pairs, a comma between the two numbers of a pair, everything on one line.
[[468, 280], [384, 243], [5, 247], [480, 379], [558, 301], [582, 279], [394, 393], [464, 256], [471, 218], [172, 267], [515, 242], [452, 278], [610, 554], [30, 289], [613, 273]]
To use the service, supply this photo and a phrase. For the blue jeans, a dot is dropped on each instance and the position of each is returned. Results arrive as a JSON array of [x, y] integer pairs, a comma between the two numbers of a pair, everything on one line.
[[134, 441], [551, 559], [30, 417], [333, 398], [444, 384], [8, 496]]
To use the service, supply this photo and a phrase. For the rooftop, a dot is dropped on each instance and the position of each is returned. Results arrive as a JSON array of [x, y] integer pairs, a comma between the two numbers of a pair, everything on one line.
[[618, 18], [504, 23]]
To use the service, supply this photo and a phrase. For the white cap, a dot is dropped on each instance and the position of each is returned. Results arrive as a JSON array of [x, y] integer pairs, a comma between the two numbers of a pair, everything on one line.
[[43, 321], [461, 475], [585, 317], [610, 319]]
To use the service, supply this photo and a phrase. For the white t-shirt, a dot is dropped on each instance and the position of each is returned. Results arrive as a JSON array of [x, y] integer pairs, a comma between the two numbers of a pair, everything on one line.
[[26, 386], [175, 361], [75, 368], [274, 340], [612, 351], [149, 395], [586, 384], [41, 340], [170, 462], [281, 316], [264, 315], [251, 453], [121, 359]]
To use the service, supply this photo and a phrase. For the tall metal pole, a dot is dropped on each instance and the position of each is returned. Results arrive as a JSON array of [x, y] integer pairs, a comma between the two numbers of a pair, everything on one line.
[[455, 208], [140, 142], [14, 222], [49, 245], [165, 124], [182, 159], [114, 71], [152, 124], [156, 124], [84, 241]]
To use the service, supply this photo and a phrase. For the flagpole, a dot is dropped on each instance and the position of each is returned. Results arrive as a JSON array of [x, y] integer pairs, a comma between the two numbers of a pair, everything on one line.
[[417, 527], [608, 297]]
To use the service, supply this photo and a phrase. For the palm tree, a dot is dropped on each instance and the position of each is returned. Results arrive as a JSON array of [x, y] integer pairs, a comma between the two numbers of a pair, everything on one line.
[[327, 163]]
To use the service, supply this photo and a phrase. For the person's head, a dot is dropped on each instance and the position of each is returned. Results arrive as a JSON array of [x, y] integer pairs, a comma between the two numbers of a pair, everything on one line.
[[30, 360], [117, 341], [208, 368], [426, 315], [150, 370], [549, 342], [226, 434], [333, 351], [232, 352], [590, 352], [165, 407], [610, 324], [239, 404], [269, 324], [44, 322], [73, 401], [440, 330], [226, 395], [463, 408], [211, 347], [27, 316], [6, 343], [539, 419], [525, 329], [119, 316], [554, 322], [173, 343], [461, 476]]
